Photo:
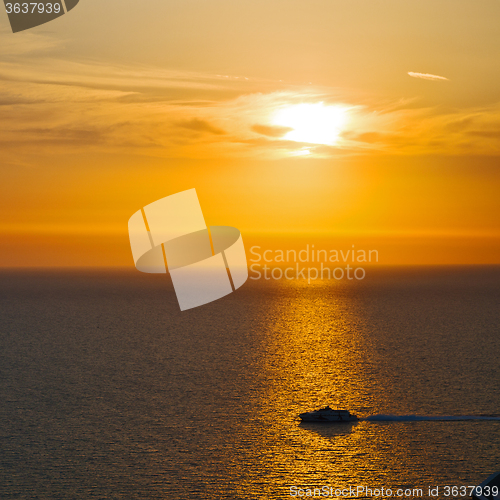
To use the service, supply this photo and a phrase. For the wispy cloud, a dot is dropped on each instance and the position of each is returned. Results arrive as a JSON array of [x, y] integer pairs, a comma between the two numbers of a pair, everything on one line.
[[427, 76], [28, 43], [271, 130], [49, 105], [197, 125]]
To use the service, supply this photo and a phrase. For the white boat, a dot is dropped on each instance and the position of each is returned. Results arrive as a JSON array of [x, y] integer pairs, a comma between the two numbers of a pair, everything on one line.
[[328, 415]]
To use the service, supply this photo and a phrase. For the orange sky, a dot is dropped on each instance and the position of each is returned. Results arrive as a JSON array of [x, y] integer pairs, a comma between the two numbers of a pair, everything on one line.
[[375, 123]]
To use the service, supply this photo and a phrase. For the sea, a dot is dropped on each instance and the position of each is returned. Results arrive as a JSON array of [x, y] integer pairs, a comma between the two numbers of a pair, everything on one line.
[[109, 391]]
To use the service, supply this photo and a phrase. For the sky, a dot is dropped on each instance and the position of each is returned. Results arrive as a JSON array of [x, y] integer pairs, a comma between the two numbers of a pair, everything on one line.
[[366, 122]]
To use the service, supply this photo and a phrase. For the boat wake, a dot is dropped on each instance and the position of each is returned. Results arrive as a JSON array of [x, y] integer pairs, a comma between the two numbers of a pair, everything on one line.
[[423, 418]]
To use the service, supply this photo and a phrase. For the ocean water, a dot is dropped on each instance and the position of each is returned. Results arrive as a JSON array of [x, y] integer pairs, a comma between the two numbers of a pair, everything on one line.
[[108, 391]]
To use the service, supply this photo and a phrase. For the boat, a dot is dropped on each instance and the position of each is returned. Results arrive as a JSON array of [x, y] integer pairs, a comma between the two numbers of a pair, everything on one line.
[[489, 489], [328, 415]]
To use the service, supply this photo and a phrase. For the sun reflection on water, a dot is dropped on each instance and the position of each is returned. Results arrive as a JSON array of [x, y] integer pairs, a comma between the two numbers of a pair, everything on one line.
[[319, 348]]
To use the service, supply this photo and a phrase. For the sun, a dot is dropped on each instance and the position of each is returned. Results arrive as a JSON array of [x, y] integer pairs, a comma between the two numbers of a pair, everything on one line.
[[312, 123]]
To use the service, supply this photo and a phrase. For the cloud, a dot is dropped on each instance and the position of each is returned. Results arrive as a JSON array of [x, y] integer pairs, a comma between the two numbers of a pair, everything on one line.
[[368, 137], [460, 124], [487, 134], [427, 76], [271, 130], [200, 126], [51, 106], [28, 43]]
